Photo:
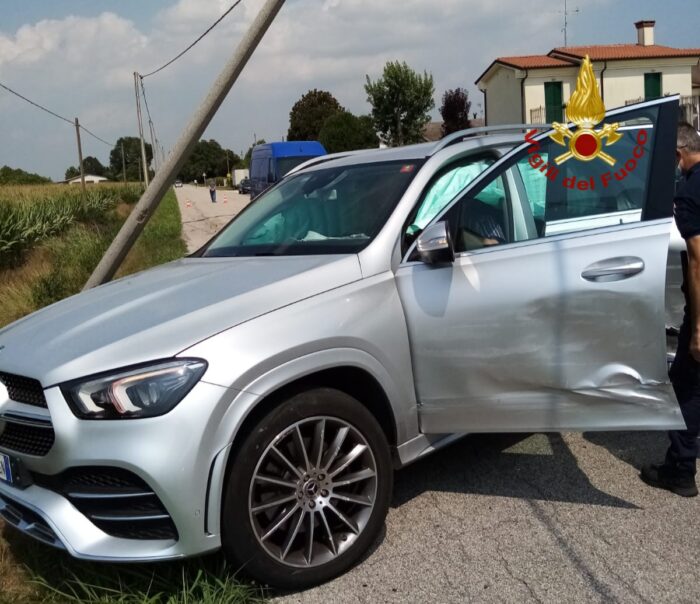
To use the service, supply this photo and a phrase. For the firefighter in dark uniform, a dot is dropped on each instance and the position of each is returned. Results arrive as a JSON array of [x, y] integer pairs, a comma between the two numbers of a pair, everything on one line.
[[677, 472]]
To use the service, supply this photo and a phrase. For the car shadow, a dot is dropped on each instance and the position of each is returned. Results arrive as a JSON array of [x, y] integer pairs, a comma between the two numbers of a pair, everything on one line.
[[507, 465], [633, 448]]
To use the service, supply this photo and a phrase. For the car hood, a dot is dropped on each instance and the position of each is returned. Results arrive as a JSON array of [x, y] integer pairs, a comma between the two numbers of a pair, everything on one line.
[[160, 312]]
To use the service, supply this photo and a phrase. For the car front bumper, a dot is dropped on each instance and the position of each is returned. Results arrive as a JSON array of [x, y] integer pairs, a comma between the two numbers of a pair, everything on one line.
[[174, 455]]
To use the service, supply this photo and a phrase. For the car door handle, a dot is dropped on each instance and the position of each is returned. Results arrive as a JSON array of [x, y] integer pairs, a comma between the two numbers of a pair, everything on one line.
[[613, 269]]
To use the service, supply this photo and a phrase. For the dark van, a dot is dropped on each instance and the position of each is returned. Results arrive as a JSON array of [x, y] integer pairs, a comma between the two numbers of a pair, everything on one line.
[[271, 161]]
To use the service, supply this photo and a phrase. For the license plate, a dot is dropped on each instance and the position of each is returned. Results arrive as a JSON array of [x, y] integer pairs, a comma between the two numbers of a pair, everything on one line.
[[5, 468]]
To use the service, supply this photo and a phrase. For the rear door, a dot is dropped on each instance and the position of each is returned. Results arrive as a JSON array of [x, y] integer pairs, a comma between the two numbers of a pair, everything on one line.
[[552, 315]]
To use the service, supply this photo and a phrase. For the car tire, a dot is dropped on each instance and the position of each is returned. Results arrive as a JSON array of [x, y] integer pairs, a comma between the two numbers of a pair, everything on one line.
[[307, 490]]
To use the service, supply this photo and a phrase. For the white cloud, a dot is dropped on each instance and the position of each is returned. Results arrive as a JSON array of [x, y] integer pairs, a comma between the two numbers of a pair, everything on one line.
[[83, 65]]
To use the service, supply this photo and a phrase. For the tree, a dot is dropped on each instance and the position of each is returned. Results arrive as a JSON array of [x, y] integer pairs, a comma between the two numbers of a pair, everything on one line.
[[132, 154], [72, 172], [309, 114], [455, 110], [17, 176], [249, 153], [92, 165], [345, 132], [401, 100], [210, 158]]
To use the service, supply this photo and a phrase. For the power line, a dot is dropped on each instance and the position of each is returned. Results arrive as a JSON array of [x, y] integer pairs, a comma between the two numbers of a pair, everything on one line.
[[24, 98], [97, 137], [235, 4], [65, 119], [152, 127]]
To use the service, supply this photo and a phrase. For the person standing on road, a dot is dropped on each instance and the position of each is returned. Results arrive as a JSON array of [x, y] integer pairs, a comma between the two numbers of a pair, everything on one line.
[[212, 190], [677, 472]]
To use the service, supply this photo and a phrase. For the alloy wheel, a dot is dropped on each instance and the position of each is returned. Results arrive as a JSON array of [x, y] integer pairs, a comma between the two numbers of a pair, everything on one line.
[[313, 491]]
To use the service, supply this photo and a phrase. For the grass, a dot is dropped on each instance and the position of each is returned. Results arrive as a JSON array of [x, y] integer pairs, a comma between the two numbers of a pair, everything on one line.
[[61, 238], [53, 577], [58, 263]]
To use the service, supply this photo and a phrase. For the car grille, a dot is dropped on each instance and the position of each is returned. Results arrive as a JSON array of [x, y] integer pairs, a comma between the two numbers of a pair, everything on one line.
[[27, 521], [31, 438], [115, 500], [23, 389]]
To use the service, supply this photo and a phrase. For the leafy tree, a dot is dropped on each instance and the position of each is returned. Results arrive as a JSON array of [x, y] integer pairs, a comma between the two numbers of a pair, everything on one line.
[[132, 155], [208, 157], [345, 132], [401, 100], [92, 165], [17, 176], [249, 153], [455, 110], [309, 114], [72, 172]]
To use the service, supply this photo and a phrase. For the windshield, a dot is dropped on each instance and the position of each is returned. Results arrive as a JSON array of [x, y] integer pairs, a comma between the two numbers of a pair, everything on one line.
[[285, 164], [327, 211]]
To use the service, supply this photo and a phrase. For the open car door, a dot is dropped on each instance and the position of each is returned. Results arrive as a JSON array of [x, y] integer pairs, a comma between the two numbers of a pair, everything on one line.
[[551, 315]]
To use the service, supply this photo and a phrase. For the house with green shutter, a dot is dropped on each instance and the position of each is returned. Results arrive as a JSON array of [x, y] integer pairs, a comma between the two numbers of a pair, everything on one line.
[[534, 89]]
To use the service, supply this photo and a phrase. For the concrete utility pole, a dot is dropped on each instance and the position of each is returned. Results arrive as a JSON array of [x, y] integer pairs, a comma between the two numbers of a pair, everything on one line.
[[138, 116], [80, 154], [154, 192], [123, 164]]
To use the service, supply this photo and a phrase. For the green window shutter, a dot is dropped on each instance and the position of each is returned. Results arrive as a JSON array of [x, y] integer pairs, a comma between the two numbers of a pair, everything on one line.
[[553, 102], [652, 86]]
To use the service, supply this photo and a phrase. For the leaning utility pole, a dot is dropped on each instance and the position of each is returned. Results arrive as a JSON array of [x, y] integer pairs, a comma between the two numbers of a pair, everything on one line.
[[138, 116], [80, 154], [151, 197]]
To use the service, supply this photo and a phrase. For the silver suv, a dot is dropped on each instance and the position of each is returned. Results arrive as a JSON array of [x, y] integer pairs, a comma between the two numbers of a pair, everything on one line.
[[258, 395]]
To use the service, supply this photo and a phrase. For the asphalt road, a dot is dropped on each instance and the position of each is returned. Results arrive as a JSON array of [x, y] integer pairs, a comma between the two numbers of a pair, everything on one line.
[[201, 218], [530, 518], [514, 518]]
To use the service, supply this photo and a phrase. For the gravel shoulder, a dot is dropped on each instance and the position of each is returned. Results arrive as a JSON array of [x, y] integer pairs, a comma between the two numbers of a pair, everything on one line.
[[201, 219]]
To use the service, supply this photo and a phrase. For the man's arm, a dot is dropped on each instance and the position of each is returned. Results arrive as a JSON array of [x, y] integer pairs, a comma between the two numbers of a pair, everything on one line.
[[693, 245]]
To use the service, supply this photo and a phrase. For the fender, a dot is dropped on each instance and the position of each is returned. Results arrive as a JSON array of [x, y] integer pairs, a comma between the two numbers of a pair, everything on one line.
[[266, 383]]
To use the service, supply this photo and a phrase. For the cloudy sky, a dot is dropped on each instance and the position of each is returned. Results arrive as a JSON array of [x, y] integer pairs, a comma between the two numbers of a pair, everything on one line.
[[77, 58]]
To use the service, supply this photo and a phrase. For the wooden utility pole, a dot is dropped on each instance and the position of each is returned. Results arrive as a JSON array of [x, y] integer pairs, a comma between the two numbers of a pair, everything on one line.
[[138, 116], [162, 181], [80, 154]]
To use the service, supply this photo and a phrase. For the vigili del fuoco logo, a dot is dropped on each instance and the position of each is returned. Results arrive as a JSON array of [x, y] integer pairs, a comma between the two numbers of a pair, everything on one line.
[[586, 110]]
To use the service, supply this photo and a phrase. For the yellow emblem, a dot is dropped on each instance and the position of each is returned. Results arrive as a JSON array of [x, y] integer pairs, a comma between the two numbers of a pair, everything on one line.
[[586, 110]]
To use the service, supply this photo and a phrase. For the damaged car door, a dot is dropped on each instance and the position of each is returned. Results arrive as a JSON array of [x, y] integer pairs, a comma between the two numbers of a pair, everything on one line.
[[547, 312]]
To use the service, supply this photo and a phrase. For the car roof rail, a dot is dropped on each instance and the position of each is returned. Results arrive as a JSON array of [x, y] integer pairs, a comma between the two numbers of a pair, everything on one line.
[[459, 136], [324, 158]]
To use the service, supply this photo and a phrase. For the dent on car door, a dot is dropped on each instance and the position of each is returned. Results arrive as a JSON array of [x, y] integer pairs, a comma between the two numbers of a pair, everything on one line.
[[552, 315]]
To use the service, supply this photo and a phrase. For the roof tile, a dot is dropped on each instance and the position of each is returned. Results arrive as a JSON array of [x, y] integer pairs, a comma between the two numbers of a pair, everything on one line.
[[624, 51]]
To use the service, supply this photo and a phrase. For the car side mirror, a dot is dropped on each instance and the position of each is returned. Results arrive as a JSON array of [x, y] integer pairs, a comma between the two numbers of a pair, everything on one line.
[[435, 244]]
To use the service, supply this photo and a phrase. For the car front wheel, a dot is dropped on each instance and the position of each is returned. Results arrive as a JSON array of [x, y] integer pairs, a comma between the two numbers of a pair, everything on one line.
[[307, 491]]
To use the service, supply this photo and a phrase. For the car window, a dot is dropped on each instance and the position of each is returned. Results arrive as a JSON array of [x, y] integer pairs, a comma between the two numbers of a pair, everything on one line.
[[285, 164], [560, 193], [481, 220], [325, 211], [442, 190]]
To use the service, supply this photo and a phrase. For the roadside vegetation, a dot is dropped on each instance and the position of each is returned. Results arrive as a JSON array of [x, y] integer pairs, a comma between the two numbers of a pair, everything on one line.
[[51, 238], [30, 573]]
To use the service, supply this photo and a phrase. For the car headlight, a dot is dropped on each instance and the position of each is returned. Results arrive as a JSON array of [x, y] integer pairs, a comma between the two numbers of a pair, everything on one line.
[[134, 393]]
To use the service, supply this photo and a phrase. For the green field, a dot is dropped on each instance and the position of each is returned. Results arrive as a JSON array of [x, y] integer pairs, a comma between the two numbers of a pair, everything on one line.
[[51, 238]]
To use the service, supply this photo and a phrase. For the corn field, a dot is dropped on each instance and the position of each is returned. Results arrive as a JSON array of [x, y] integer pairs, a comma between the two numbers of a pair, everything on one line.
[[29, 215]]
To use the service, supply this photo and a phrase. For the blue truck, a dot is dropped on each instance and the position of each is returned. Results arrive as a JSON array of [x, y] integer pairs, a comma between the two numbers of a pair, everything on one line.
[[269, 162]]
